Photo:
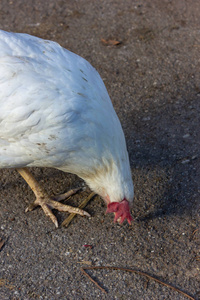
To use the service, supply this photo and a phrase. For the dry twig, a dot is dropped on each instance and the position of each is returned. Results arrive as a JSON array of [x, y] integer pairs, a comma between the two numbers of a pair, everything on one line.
[[90, 278], [2, 242], [68, 220], [133, 271], [195, 231]]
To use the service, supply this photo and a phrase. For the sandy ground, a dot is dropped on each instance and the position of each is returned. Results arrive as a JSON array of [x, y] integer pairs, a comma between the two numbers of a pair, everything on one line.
[[153, 79]]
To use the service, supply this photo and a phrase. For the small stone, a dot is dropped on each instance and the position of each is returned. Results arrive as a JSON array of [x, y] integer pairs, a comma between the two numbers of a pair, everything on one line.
[[185, 161], [187, 135]]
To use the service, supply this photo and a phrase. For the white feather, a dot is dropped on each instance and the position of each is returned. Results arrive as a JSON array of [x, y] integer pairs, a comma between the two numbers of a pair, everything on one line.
[[55, 112]]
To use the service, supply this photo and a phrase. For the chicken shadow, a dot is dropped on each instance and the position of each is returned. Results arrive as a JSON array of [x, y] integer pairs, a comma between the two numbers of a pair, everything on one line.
[[167, 137]]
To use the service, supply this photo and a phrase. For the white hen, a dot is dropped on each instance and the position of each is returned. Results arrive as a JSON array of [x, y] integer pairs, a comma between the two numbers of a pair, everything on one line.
[[55, 112]]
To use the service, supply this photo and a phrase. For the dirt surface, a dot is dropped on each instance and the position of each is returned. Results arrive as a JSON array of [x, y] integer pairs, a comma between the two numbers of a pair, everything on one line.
[[153, 79]]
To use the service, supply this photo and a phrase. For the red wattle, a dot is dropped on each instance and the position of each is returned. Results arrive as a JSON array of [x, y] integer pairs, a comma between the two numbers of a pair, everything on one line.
[[121, 210], [112, 207]]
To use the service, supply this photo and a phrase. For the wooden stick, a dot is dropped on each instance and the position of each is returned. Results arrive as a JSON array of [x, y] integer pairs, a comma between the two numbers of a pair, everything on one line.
[[68, 220], [2, 242], [90, 278], [137, 272]]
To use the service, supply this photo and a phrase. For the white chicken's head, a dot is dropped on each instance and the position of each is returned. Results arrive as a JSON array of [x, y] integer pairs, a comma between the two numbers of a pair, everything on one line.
[[113, 182]]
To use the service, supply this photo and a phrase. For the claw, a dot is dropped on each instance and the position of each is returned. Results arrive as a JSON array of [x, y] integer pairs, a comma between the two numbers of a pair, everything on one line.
[[47, 203], [66, 195], [49, 214]]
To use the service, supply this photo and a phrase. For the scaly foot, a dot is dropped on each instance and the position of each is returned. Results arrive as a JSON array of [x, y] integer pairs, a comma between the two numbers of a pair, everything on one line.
[[47, 203]]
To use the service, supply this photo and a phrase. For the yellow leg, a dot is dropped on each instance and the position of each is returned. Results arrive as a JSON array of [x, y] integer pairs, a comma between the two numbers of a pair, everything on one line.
[[46, 202]]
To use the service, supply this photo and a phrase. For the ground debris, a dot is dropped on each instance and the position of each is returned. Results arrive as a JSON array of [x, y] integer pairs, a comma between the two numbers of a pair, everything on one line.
[[110, 42], [4, 283], [2, 243], [68, 220], [132, 271]]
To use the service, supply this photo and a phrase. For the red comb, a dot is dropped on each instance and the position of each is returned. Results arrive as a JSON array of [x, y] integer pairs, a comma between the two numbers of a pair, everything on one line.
[[121, 210]]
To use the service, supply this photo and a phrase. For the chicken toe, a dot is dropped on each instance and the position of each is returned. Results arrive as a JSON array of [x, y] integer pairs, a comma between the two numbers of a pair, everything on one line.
[[47, 203]]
